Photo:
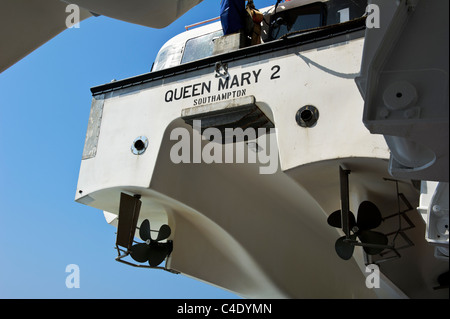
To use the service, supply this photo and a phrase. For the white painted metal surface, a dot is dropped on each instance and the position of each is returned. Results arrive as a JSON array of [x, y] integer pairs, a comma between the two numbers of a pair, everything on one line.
[[404, 81]]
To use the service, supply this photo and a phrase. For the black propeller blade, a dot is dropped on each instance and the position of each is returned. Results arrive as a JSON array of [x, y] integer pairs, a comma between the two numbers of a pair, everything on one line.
[[144, 230], [372, 237], [158, 253], [369, 217], [139, 252], [343, 248], [335, 219], [152, 250]]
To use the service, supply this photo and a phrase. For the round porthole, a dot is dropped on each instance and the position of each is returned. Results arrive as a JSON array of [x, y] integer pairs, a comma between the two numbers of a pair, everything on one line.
[[139, 145], [307, 116]]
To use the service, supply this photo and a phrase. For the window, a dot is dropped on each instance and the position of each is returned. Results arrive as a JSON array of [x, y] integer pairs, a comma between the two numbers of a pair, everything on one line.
[[294, 18], [297, 19], [200, 47], [168, 56]]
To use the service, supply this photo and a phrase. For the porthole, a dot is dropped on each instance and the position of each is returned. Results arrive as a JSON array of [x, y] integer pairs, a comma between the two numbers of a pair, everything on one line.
[[139, 145], [307, 116]]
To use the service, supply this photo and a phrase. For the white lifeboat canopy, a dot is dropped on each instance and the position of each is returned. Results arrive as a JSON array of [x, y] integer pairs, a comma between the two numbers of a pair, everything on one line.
[[40, 21]]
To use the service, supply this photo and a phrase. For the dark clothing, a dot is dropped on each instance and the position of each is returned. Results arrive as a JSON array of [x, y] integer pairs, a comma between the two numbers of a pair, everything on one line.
[[232, 15]]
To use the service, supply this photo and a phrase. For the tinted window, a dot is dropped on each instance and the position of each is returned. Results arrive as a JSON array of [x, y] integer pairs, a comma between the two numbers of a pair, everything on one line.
[[297, 19], [293, 19]]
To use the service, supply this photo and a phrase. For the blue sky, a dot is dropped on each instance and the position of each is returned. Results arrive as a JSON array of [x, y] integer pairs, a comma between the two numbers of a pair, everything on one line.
[[44, 108]]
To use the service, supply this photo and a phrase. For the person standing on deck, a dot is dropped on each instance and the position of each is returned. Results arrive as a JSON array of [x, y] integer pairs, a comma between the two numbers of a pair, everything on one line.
[[232, 15]]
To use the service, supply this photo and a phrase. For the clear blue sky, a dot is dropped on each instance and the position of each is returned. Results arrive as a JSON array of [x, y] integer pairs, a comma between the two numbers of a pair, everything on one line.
[[44, 108]]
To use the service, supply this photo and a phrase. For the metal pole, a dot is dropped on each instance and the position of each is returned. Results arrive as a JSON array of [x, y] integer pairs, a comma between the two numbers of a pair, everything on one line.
[[345, 203]]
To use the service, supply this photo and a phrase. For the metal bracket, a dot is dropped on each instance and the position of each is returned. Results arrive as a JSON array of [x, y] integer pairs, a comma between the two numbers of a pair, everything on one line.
[[401, 229], [221, 70], [345, 203], [124, 253]]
